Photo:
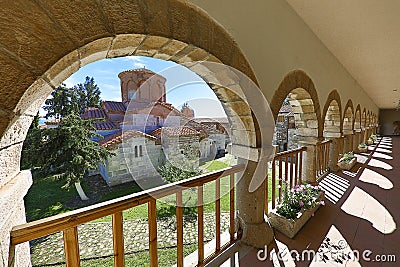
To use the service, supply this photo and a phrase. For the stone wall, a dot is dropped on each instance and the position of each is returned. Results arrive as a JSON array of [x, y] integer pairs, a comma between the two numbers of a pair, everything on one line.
[[126, 167], [12, 212], [182, 150]]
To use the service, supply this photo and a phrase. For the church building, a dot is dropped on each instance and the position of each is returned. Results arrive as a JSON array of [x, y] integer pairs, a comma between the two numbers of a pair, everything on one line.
[[145, 131]]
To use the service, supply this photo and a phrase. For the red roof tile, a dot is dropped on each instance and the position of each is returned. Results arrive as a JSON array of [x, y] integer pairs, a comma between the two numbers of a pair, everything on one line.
[[111, 141], [94, 113], [114, 106], [174, 131], [286, 108], [105, 125]]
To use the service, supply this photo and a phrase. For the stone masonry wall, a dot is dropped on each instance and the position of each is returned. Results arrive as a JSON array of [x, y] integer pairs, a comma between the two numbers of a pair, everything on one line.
[[125, 167]]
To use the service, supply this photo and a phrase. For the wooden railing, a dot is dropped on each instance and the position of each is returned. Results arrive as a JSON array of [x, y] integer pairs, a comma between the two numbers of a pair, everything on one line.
[[322, 157], [68, 222], [286, 171]]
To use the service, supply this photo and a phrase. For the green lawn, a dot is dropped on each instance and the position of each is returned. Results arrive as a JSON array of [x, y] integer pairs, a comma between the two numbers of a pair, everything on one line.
[[47, 197]]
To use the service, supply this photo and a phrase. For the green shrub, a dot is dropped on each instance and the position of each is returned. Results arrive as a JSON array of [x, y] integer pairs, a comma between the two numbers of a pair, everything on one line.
[[347, 157]]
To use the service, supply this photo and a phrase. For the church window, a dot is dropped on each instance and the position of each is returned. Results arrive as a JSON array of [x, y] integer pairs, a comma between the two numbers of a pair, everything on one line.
[[136, 152], [140, 151]]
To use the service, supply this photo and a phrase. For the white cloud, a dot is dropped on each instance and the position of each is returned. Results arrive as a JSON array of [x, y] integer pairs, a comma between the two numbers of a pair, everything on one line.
[[137, 62], [70, 82]]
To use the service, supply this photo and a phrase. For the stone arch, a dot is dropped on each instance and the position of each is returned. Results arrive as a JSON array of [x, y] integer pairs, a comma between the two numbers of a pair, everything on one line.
[[332, 115], [298, 87], [364, 119], [368, 120], [170, 30], [357, 118], [348, 116], [56, 38]]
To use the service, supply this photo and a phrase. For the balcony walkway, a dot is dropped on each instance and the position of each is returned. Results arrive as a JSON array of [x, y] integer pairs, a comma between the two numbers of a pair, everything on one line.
[[361, 213]]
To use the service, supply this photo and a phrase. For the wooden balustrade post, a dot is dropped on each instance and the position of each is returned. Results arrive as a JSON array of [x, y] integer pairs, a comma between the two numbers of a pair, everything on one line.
[[118, 239], [152, 221], [255, 230], [71, 247]]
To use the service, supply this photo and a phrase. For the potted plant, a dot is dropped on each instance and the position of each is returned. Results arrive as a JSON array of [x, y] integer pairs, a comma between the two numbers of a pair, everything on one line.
[[347, 161], [362, 148], [297, 207], [373, 137], [370, 141]]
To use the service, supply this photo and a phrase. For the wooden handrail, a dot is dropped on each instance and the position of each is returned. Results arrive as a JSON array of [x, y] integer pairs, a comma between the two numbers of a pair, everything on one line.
[[290, 152], [36, 229]]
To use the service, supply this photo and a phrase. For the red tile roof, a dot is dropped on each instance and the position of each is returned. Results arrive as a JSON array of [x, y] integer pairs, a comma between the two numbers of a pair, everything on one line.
[[286, 108], [94, 113], [111, 141], [174, 131], [114, 106], [105, 125]]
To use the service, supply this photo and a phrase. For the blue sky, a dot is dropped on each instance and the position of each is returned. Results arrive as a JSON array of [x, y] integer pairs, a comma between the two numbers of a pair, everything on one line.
[[182, 84]]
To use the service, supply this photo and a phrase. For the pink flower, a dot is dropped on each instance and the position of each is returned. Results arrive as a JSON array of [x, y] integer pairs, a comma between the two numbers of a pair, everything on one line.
[[301, 203], [312, 214], [322, 203]]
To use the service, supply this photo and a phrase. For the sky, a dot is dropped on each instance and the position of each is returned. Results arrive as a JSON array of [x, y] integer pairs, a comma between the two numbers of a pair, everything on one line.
[[182, 84]]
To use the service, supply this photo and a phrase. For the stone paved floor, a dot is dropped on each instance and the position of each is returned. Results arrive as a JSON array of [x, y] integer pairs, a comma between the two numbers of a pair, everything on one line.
[[95, 239]]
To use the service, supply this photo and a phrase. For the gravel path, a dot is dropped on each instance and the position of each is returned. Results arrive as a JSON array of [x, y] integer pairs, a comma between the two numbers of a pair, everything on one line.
[[95, 239]]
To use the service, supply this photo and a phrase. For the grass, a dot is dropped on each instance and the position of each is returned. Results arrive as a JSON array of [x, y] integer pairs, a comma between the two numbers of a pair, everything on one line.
[[47, 197]]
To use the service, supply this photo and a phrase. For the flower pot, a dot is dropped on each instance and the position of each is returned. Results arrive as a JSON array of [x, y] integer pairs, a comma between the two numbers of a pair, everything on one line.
[[370, 142], [290, 227], [347, 166], [362, 149]]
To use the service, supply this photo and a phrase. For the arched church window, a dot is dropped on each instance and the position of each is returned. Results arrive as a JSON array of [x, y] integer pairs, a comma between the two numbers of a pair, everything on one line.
[[136, 152], [140, 151]]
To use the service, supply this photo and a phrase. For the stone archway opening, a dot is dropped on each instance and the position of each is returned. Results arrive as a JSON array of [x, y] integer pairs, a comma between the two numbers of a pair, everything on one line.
[[56, 39], [332, 121], [348, 120], [357, 119], [305, 117], [363, 119]]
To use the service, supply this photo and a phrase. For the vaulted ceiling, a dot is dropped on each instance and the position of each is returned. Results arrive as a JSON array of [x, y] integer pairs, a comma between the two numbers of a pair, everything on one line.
[[364, 35]]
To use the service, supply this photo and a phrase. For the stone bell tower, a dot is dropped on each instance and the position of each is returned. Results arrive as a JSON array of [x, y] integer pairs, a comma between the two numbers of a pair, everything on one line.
[[142, 86]]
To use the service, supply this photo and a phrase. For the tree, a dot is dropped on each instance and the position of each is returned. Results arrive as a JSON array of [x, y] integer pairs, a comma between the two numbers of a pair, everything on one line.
[[35, 122], [173, 174], [66, 101], [88, 94], [69, 150], [63, 102], [31, 144]]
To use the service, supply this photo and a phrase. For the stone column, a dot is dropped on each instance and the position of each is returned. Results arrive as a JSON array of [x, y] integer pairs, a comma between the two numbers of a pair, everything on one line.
[[348, 135], [12, 213], [334, 154], [363, 135], [309, 160], [356, 140], [256, 231]]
